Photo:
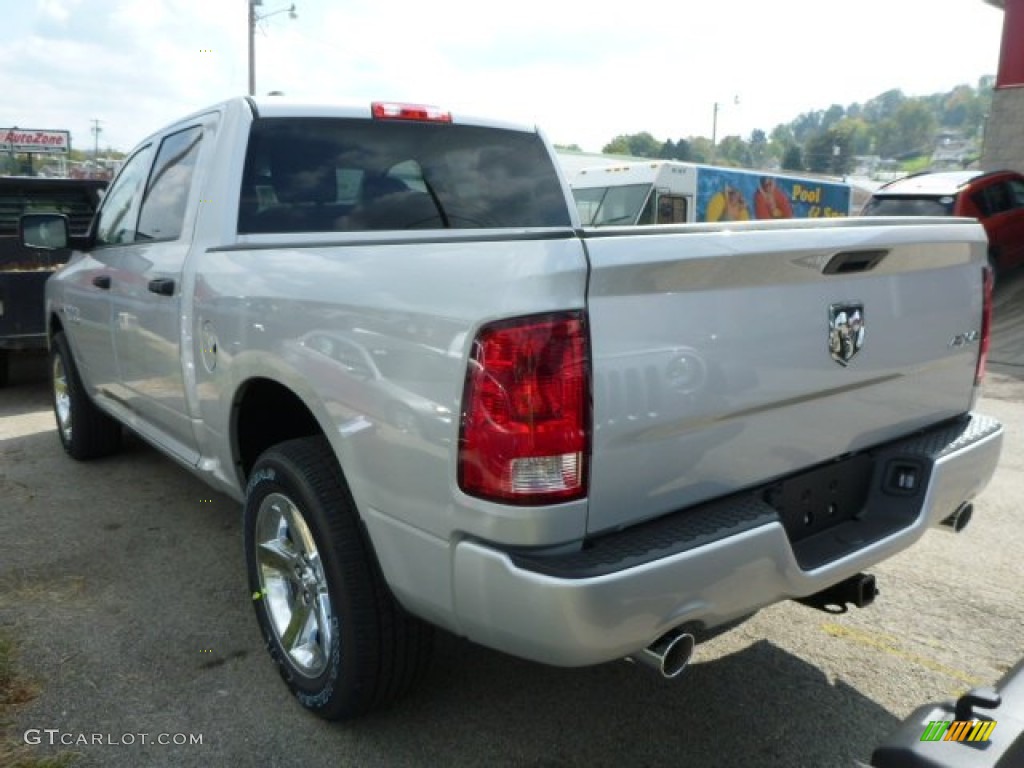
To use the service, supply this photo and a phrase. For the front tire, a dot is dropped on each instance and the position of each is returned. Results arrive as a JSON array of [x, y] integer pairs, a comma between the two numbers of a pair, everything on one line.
[[342, 643], [85, 431]]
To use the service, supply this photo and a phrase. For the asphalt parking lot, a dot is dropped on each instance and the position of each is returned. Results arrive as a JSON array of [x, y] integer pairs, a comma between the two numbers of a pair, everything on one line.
[[123, 582]]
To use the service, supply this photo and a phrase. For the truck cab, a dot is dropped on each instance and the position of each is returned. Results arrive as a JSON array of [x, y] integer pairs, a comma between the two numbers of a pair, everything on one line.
[[24, 271]]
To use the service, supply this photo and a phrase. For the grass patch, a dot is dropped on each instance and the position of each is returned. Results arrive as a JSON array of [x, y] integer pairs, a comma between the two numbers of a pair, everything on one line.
[[917, 164], [15, 690]]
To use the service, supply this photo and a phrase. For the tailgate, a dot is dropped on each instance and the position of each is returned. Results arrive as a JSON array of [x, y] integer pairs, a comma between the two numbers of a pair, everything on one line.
[[724, 358]]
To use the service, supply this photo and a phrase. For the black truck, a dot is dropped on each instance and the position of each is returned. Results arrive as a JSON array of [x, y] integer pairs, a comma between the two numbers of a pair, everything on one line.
[[24, 271]]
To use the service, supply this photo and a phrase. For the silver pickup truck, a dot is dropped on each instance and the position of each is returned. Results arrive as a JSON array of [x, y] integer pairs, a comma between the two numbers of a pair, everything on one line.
[[444, 403]]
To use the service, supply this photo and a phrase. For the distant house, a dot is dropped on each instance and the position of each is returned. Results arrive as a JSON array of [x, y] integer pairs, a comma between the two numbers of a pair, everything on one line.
[[953, 151]]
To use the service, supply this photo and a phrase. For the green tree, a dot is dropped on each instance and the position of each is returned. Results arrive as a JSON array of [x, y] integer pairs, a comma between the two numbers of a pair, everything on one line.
[[733, 151], [859, 133], [890, 124], [818, 152], [644, 145], [832, 115], [700, 149], [758, 148], [636, 144], [783, 135], [617, 146], [884, 106], [829, 152], [779, 140], [793, 158], [909, 131], [806, 125], [675, 150]]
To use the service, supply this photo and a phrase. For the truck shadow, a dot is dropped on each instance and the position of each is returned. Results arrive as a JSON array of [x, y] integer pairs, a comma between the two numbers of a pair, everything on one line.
[[760, 706]]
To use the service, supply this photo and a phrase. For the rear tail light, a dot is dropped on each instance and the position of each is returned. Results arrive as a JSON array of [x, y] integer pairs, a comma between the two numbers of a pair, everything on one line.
[[525, 433], [389, 110], [986, 325]]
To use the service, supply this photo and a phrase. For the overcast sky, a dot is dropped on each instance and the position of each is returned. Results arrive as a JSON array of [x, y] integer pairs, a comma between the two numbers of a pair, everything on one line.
[[583, 71]]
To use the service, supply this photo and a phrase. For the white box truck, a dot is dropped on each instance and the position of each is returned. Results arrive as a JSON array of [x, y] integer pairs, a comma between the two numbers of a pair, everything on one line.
[[670, 192]]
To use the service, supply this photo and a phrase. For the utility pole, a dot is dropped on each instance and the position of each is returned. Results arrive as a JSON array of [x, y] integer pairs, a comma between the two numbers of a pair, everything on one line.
[[714, 130], [255, 18], [96, 140], [714, 125], [252, 45]]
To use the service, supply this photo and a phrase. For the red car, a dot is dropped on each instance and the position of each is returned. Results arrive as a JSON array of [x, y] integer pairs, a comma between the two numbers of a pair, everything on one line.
[[995, 198]]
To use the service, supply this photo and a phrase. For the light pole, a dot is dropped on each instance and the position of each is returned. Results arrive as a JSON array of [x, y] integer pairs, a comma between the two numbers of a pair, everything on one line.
[[255, 18]]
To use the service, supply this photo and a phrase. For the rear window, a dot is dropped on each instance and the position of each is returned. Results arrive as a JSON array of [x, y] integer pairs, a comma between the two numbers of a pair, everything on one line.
[[323, 175], [77, 203], [909, 206]]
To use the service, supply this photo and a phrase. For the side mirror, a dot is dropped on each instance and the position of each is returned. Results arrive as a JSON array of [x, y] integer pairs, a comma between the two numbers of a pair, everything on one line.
[[47, 231]]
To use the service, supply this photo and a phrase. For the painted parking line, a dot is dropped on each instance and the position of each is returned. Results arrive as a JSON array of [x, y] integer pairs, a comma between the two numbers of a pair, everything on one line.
[[892, 648]]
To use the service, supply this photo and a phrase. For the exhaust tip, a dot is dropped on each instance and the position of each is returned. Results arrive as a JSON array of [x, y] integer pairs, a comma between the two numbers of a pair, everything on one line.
[[668, 655], [677, 655], [957, 521]]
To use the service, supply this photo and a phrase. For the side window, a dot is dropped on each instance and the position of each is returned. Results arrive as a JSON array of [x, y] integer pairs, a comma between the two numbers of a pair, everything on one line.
[[999, 200], [1017, 188], [116, 221], [981, 200], [671, 209], [163, 206]]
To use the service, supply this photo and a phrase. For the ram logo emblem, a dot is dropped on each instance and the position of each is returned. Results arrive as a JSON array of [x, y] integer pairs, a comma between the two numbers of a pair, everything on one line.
[[845, 331]]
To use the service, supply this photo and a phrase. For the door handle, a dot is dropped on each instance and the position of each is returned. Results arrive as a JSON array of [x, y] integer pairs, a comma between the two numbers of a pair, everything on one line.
[[102, 281], [163, 286]]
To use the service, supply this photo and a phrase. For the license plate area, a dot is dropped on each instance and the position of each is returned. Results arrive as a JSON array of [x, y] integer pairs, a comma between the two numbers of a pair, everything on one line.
[[824, 497]]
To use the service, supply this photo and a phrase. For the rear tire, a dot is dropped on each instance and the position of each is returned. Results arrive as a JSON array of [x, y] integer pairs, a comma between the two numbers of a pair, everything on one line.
[[85, 431], [340, 640], [4, 368], [993, 265]]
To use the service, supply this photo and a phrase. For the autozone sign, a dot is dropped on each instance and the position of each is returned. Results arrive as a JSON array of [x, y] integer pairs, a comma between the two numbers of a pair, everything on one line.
[[31, 140]]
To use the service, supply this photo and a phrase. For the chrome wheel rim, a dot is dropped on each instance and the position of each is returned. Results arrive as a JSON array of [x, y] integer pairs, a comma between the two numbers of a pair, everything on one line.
[[293, 585], [61, 398]]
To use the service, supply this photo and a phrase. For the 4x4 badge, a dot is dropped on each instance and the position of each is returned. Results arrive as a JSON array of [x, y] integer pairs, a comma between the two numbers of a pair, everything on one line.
[[845, 331]]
